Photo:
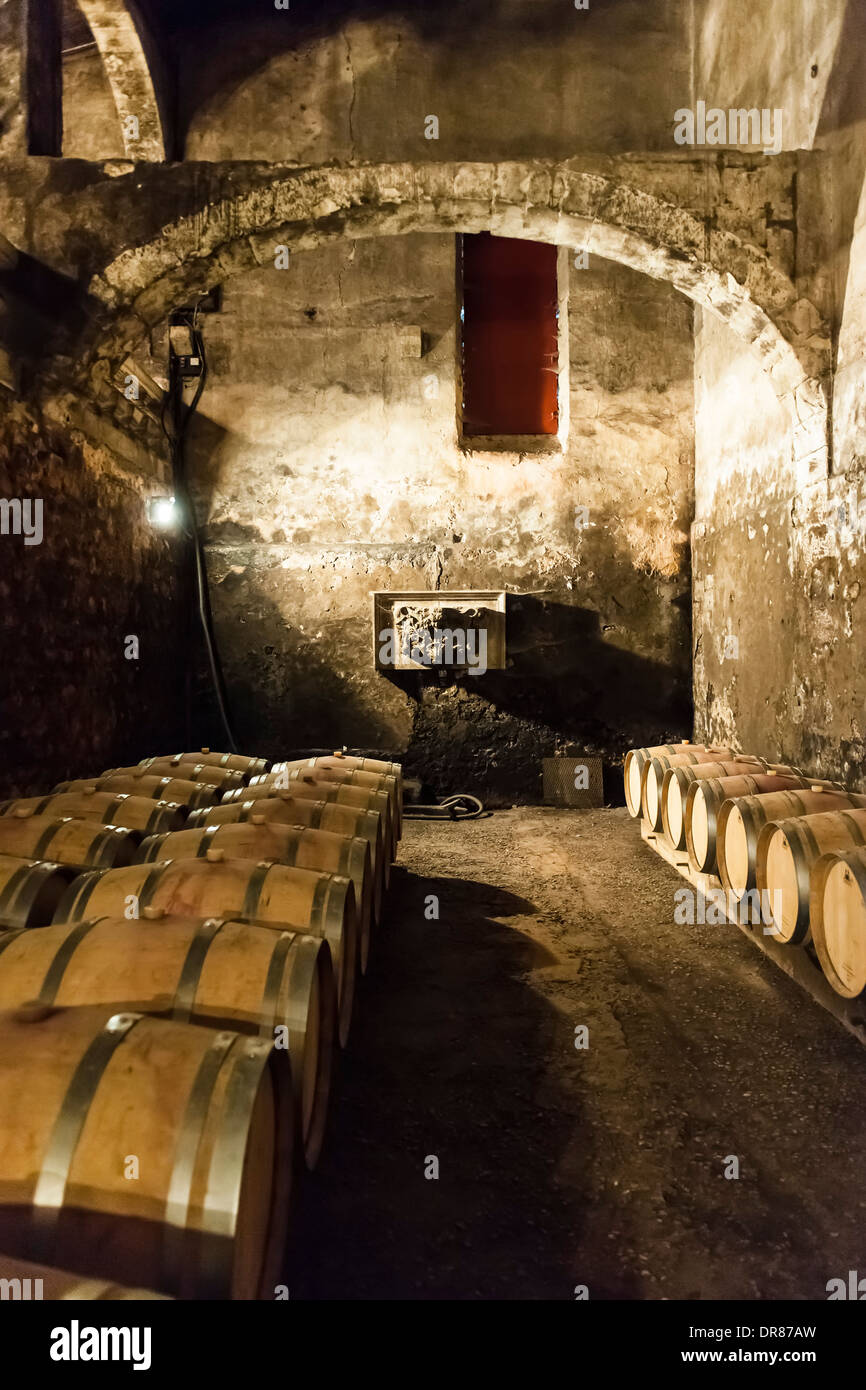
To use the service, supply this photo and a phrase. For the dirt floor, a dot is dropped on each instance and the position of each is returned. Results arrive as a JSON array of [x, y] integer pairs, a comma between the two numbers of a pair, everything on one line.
[[561, 1167]]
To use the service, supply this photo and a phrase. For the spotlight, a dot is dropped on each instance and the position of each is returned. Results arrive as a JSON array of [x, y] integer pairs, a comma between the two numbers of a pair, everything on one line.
[[162, 512]]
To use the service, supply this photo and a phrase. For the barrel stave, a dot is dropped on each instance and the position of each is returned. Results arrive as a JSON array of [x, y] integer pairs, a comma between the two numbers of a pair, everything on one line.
[[633, 765], [652, 775], [678, 779], [298, 899], [233, 762], [741, 820], [31, 890], [704, 800], [294, 845], [223, 778], [208, 1117], [786, 852], [80, 843], [135, 813], [222, 974], [330, 816]]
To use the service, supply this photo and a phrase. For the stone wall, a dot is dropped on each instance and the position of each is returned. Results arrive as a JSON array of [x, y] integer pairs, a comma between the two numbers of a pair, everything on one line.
[[326, 472], [779, 570], [72, 703], [91, 129], [506, 79], [329, 467], [779, 559]]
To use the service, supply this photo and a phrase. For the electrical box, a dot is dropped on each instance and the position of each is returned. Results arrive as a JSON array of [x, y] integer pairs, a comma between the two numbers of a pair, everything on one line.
[[462, 630]]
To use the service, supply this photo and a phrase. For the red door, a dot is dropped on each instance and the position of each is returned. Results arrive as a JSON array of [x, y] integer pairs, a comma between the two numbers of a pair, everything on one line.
[[510, 340]]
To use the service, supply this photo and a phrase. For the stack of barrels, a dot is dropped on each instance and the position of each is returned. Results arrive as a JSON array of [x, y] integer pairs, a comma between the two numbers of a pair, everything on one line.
[[179, 948], [794, 844]]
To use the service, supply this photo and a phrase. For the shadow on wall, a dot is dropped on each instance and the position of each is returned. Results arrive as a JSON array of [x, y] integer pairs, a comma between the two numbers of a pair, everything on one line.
[[266, 33], [292, 689], [566, 684], [598, 661], [43, 311], [565, 687], [76, 695]]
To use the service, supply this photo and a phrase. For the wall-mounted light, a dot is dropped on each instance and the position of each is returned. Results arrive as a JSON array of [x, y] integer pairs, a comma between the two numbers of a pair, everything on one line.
[[162, 512]]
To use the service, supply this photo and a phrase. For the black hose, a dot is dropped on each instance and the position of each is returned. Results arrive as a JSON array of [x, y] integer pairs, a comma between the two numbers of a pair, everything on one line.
[[462, 806], [177, 439]]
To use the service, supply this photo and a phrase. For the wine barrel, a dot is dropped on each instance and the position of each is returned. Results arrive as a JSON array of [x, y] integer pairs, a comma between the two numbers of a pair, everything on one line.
[[345, 760], [786, 851], [704, 801], [371, 781], [81, 842], [296, 899], [740, 822], [176, 790], [205, 1116], [23, 1281], [285, 809], [633, 766], [309, 788], [201, 773], [235, 762], [279, 844], [30, 891], [218, 973], [654, 769], [677, 780], [137, 813], [838, 916]]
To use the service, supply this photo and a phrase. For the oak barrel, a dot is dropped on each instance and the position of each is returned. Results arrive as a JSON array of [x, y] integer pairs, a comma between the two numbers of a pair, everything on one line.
[[176, 790], [838, 918], [704, 800], [654, 769], [279, 844], [24, 1281], [633, 765], [144, 1151], [345, 760], [285, 780], [308, 787], [219, 973], [285, 809], [68, 841], [741, 820], [296, 899], [30, 892], [786, 851], [677, 780], [139, 813], [200, 773], [235, 762]]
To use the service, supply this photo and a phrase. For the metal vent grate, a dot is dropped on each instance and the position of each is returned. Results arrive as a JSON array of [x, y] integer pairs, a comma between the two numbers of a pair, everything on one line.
[[573, 782]]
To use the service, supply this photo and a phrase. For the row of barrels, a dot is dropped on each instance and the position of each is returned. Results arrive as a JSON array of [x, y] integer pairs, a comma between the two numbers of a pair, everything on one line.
[[177, 977], [794, 845]]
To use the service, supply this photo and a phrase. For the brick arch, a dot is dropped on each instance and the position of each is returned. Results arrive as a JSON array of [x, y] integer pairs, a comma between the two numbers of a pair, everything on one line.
[[596, 209], [118, 36]]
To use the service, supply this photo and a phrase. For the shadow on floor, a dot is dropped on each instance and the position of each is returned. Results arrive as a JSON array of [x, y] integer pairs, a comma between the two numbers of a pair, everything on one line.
[[447, 1058]]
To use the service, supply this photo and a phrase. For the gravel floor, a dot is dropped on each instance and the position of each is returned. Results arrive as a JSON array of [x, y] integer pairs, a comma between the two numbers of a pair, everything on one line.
[[561, 1167]]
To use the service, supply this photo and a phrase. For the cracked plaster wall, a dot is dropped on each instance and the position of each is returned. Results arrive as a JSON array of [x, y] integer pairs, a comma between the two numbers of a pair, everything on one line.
[[780, 560], [326, 470]]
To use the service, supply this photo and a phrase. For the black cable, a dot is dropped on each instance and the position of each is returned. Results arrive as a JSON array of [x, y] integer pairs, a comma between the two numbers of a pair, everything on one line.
[[183, 416], [462, 806]]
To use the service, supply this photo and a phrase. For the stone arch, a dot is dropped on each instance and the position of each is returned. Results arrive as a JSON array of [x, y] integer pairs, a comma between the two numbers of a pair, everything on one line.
[[127, 65], [728, 275]]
